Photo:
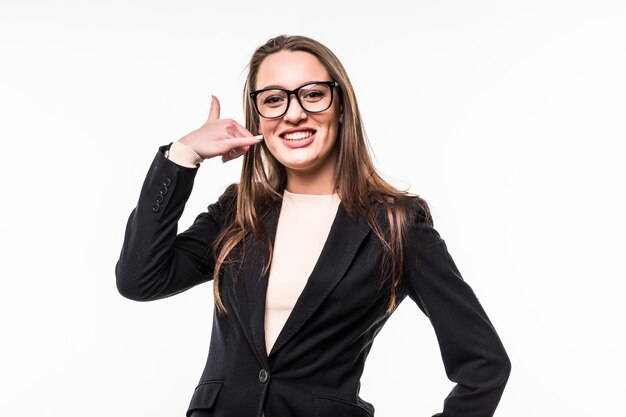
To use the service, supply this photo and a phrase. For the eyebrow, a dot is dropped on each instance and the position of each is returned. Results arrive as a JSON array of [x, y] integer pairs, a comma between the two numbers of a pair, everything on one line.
[[285, 88], [273, 86]]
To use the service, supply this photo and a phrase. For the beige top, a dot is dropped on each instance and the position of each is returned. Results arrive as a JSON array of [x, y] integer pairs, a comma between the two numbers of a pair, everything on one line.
[[303, 226]]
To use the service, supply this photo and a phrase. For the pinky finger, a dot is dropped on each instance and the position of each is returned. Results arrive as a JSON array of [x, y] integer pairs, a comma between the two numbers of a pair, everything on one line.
[[234, 153]]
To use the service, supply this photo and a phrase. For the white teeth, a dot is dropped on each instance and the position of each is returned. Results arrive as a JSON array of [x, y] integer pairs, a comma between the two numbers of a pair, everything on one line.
[[298, 135]]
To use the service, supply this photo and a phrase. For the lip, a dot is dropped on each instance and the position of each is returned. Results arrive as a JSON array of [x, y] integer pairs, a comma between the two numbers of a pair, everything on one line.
[[297, 129], [297, 143]]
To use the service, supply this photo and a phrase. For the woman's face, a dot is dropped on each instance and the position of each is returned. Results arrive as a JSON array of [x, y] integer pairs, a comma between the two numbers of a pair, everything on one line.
[[299, 140]]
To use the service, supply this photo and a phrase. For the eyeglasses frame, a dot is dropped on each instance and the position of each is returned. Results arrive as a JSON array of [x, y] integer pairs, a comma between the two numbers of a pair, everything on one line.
[[331, 84]]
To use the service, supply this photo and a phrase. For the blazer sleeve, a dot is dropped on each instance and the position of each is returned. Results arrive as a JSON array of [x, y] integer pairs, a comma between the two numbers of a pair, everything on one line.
[[472, 352], [155, 262]]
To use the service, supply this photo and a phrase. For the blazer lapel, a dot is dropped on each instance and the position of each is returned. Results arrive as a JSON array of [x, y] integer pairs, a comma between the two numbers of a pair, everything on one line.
[[256, 256], [343, 241]]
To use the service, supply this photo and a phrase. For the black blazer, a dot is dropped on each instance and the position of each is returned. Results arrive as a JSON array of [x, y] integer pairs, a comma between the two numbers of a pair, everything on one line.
[[314, 367]]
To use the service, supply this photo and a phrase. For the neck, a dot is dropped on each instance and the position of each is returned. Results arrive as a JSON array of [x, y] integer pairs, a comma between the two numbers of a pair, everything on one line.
[[309, 184], [318, 181]]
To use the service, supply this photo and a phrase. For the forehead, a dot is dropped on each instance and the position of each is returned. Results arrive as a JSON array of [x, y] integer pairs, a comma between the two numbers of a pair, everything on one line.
[[290, 69]]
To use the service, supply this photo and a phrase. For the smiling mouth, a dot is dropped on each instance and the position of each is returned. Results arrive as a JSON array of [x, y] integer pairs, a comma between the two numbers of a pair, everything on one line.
[[298, 135]]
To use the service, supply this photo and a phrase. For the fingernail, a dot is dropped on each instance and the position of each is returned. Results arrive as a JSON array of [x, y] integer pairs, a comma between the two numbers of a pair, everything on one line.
[[258, 137]]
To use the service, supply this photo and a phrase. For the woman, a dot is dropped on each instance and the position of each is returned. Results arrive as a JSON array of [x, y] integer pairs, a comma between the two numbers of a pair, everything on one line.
[[310, 253]]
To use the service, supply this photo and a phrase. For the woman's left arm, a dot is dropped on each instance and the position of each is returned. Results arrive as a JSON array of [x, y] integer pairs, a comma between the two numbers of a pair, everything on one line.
[[472, 352]]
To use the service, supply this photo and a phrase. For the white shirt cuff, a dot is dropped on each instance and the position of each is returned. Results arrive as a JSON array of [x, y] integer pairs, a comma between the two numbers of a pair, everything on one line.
[[181, 154]]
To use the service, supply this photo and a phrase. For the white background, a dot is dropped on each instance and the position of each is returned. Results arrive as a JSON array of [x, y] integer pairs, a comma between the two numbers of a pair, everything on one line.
[[508, 117]]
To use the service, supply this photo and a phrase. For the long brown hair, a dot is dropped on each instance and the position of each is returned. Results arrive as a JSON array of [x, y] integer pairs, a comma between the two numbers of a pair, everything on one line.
[[358, 184]]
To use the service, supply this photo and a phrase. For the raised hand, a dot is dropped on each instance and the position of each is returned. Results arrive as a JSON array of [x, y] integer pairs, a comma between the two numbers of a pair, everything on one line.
[[217, 136]]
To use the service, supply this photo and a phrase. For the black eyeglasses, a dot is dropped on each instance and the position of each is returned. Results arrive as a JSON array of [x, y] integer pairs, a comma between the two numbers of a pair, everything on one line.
[[313, 97]]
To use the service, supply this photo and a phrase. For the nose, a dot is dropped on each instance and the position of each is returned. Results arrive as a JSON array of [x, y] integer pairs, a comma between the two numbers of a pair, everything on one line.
[[294, 112]]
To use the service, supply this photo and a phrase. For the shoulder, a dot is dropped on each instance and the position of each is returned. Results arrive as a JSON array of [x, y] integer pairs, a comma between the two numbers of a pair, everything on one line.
[[409, 209], [226, 202], [230, 193], [419, 210]]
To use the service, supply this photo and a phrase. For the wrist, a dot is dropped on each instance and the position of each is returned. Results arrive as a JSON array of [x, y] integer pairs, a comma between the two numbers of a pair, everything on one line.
[[184, 155]]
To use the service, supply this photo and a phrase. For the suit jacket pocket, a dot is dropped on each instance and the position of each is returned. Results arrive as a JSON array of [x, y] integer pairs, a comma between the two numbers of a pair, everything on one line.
[[204, 396], [334, 407]]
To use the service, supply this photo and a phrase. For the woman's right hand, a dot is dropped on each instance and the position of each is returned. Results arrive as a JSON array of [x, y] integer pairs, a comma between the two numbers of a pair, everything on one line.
[[218, 136]]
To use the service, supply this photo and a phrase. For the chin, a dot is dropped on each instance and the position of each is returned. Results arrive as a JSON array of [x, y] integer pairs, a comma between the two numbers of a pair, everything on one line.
[[297, 163]]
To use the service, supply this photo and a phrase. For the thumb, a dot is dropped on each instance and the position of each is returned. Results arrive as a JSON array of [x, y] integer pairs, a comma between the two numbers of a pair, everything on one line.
[[214, 112]]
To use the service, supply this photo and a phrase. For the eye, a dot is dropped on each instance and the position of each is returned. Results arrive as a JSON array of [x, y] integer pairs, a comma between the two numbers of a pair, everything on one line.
[[313, 95], [272, 100]]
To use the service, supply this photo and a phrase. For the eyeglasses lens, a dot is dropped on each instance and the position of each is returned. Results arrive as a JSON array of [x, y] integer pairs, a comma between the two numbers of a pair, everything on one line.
[[313, 98]]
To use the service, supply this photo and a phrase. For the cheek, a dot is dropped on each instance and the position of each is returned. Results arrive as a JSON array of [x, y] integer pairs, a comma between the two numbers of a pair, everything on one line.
[[267, 127], [272, 150], [333, 129]]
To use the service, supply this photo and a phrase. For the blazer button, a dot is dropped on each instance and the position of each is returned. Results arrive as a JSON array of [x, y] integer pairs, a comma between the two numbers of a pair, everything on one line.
[[159, 198], [163, 191], [167, 182], [263, 375], [156, 207]]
